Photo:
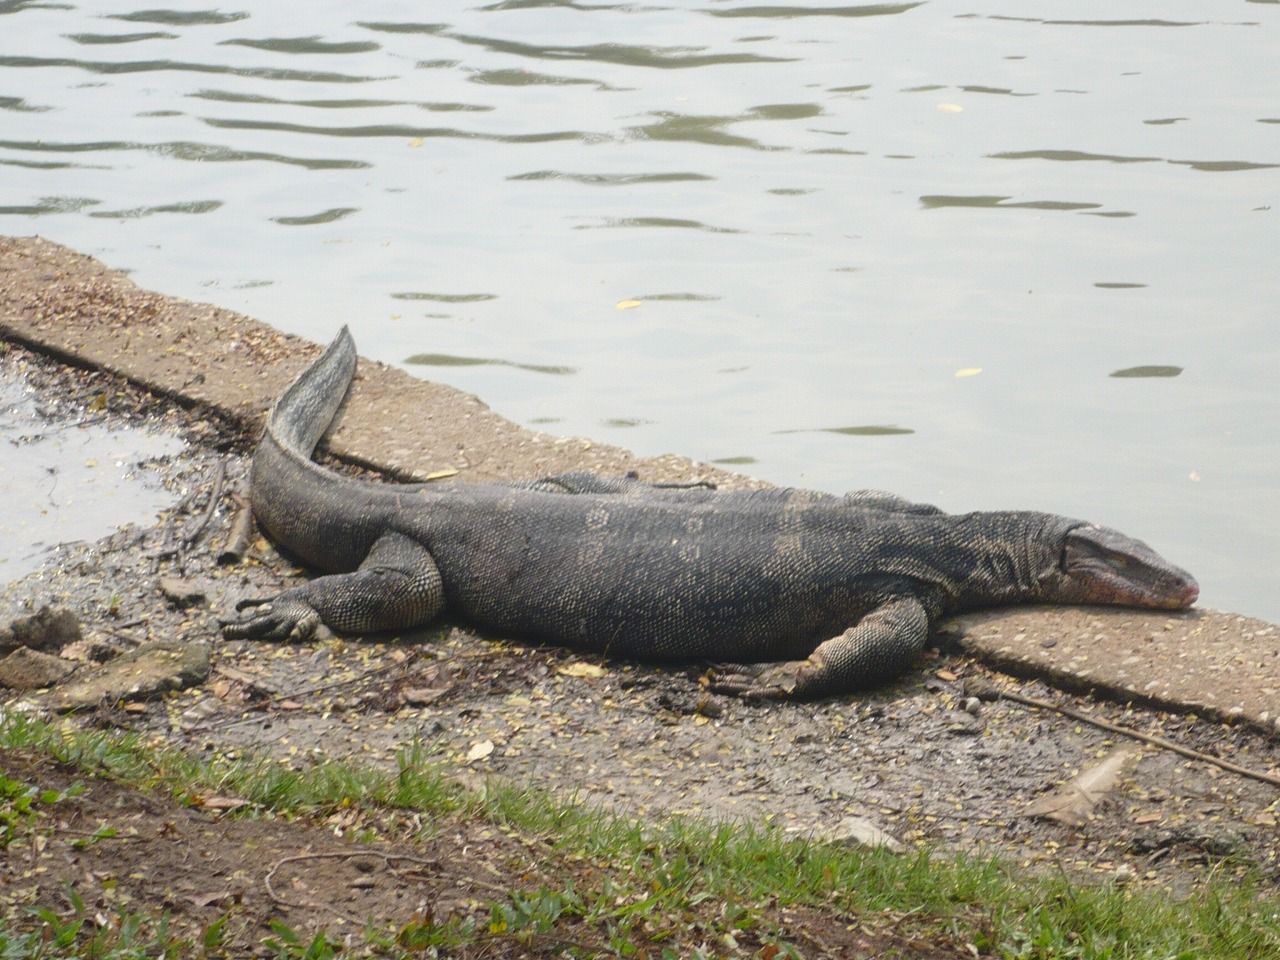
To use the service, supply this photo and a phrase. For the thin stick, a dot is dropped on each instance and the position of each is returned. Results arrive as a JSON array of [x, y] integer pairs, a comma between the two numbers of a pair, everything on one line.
[[219, 475], [985, 691]]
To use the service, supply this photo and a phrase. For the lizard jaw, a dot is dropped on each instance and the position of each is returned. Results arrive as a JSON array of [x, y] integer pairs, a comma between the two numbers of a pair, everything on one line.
[[1101, 565]]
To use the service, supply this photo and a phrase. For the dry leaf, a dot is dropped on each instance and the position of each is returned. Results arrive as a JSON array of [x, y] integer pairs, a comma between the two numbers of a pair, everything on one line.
[[945, 674], [213, 802], [1073, 802], [421, 696], [479, 751], [1148, 818], [441, 474], [208, 899], [581, 669], [627, 304]]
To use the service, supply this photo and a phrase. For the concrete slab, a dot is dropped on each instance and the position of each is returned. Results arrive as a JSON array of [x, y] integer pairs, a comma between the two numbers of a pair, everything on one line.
[[1218, 665]]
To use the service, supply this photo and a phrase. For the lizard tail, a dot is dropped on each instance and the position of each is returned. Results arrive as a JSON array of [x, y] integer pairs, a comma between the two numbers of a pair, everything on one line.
[[304, 412]]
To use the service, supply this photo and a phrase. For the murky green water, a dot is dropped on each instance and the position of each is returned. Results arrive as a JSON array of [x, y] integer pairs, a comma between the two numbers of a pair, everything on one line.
[[989, 255]]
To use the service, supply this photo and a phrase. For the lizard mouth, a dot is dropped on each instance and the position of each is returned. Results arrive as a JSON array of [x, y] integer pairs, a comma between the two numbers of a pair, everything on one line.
[[1105, 566]]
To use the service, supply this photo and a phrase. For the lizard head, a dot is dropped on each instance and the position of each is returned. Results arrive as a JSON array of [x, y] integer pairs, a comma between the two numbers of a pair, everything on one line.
[[1101, 565]]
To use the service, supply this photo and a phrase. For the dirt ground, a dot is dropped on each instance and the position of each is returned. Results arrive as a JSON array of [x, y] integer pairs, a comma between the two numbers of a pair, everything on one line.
[[916, 760]]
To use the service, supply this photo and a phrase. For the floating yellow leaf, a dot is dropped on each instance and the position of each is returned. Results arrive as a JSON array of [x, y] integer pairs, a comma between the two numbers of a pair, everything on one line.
[[581, 669], [627, 304], [950, 108], [416, 142], [968, 372]]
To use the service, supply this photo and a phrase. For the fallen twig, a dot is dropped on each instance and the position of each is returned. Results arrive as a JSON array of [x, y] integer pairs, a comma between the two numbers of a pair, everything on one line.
[[237, 542], [986, 691], [219, 475], [290, 695]]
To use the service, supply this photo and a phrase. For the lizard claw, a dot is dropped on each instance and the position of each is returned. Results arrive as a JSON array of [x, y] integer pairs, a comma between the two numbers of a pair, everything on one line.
[[277, 618], [755, 681]]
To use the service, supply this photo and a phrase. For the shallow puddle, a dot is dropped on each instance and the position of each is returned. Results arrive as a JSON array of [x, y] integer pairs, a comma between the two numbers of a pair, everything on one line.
[[63, 481]]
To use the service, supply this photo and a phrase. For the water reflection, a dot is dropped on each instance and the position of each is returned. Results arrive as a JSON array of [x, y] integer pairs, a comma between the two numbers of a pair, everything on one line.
[[938, 202], [450, 360], [610, 179], [1148, 371], [180, 66], [865, 430], [791, 12], [311, 219], [180, 18], [197, 152]]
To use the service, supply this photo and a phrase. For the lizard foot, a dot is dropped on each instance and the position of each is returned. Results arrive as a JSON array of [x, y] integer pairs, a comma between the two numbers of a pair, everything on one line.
[[757, 681], [274, 618]]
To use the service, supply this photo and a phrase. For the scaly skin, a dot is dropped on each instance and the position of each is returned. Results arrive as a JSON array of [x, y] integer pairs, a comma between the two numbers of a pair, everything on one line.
[[806, 593]]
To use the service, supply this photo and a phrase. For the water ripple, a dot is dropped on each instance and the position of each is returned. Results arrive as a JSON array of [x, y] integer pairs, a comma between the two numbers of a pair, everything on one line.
[[91, 39], [180, 18], [939, 201], [790, 12], [303, 45], [150, 66], [1151, 370], [400, 131], [428, 28], [623, 54], [226, 96], [324, 216], [609, 179], [51, 205], [670, 223], [193, 206], [445, 297], [19, 105], [867, 430], [1074, 156], [183, 150], [451, 360]]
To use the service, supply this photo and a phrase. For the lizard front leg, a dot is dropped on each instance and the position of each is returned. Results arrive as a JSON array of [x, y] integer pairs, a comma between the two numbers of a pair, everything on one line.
[[881, 646], [397, 586]]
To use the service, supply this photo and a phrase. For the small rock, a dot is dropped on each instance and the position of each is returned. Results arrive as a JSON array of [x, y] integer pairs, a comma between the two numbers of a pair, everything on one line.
[[963, 724], [49, 628], [90, 650], [141, 674], [861, 831], [183, 593], [26, 669], [972, 706]]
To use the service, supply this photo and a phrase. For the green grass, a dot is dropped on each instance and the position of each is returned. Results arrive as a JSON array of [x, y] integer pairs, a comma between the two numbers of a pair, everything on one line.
[[684, 881]]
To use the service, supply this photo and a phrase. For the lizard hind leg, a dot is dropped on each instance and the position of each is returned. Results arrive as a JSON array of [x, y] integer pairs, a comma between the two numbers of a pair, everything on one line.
[[882, 645], [398, 585]]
